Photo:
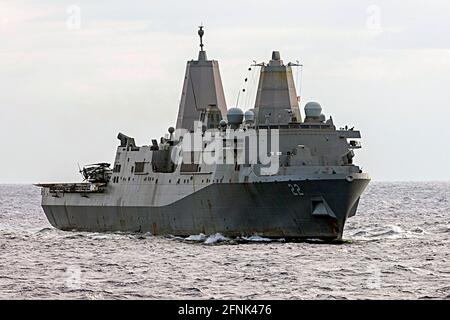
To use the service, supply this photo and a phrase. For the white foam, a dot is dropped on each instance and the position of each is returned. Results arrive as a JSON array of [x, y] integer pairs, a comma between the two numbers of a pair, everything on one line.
[[381, 232], [257, 239], [397, 229], [100, 236], [215, 238], [196, 237], [147, 235]]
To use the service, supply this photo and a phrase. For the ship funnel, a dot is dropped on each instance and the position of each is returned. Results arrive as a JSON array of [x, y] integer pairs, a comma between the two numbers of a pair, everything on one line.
[[202, 88]]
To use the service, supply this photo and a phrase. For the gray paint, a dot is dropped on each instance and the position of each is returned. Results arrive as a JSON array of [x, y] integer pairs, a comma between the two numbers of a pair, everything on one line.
[[237, 209], [202, 88], [276, 99], [316, 188]]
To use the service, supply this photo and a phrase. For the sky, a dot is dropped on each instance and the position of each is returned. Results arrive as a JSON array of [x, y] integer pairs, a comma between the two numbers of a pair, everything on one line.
[[75, 73]]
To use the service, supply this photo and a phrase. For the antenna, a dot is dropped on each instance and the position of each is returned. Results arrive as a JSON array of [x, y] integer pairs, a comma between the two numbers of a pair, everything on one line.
[[243, 90], [252, 72], [255, 64], [193, 91], [246, 88], [298, 85], [201, 32], [237, 101], [80, 171]]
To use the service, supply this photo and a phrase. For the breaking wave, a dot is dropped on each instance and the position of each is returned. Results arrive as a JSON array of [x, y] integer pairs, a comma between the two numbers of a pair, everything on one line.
[[216, 238], [391, 232]]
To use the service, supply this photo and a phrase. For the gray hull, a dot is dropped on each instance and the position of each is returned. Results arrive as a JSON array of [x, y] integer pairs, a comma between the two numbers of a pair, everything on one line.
[[268, 209]]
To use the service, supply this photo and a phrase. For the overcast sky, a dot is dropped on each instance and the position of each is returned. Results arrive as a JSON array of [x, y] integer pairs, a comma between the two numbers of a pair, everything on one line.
[[75, 73]]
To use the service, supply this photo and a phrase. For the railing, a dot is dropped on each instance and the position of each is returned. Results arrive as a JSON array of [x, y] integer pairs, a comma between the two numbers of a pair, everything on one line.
[[73, 187]]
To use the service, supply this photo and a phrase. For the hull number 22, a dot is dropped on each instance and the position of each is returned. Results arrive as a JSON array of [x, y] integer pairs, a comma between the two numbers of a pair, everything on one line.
[[295, 189]]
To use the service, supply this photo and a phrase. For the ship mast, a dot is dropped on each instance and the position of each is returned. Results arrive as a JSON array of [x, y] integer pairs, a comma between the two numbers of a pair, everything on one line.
[[202, 89]]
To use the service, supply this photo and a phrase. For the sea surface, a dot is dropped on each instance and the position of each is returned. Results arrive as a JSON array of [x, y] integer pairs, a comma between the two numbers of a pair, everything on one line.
[[396, 247]]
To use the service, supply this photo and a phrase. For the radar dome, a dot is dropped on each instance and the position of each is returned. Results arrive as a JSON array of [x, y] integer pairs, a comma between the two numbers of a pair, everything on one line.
[[222, 123], [235, 116], [313, 110], [249, 116], [322, 117]]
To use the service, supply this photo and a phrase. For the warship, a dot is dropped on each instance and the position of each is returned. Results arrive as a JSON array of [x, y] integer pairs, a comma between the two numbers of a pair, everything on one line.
[[273, 173]]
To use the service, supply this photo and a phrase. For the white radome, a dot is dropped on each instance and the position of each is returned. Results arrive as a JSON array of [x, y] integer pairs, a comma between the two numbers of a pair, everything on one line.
[[313, 109], [235, 116]]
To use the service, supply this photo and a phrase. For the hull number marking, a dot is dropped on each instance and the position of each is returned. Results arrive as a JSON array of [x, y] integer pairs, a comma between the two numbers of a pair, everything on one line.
[[295, 189]]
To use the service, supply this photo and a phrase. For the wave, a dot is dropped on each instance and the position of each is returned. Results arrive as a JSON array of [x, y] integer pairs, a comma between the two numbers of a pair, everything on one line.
[[197, 237], [384, 232], [215, 238], [257, 238], [219, 238]]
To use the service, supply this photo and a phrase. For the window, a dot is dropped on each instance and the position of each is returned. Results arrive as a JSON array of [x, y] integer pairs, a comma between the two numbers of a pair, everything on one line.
[[139, 167]]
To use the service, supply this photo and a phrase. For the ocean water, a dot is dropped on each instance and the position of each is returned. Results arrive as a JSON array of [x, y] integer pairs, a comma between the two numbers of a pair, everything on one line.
[[397, 247]]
